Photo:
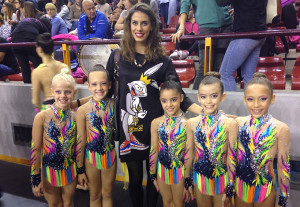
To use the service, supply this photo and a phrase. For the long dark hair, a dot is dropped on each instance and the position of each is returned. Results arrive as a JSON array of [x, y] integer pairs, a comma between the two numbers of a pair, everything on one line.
[[154, 50]]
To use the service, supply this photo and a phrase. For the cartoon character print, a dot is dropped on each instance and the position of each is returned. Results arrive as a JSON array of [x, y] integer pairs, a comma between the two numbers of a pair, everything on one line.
[[134, 110]]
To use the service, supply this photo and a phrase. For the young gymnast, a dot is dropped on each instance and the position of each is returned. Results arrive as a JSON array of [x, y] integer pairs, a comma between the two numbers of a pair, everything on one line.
[[168, 140], [260, 137], [95, 123], [211, 140], [54, 133]]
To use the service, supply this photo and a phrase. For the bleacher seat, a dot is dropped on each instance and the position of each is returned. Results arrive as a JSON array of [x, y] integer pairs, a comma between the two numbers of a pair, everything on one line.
[[169, 46], [295, 77], [270, 61], [185, 70], [80, 80], [15, 77], [3, 78], [279, 45], [172, 25], [274, 69]]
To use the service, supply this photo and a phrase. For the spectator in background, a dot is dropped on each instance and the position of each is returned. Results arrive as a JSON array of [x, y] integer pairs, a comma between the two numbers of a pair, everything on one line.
[[127, 4], [58, 24], [30, 11], [8, 61], [154, 7], [26, 31], [117, 10], [248, 16], [5, 30], [9, 16], [103, 7], [43, 74], [63, 12], [92, 23], [211, 18], [75, 12], [184, 48], [172, 10], [20, 9], [164, 10]]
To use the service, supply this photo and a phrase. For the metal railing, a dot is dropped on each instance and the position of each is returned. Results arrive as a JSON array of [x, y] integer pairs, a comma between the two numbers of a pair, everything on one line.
[[257, 34]]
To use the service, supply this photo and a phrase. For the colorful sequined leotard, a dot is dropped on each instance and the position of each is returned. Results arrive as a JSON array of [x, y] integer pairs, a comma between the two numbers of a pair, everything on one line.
[[209, 168], [100, 148], [58, 154], [172, 140], [257, 146]]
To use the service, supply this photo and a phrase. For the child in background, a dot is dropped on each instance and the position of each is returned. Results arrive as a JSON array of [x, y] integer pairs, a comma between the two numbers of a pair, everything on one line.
[[211, 138], [184, 48], [260, 138], [54, 133], [95, 123], [168, 140], [42, 76]]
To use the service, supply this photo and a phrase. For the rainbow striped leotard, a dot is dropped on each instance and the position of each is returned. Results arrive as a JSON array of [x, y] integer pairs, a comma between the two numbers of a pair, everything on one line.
[[100, 148], [172, 139], [59, 148], [254, 173], [209, 167]]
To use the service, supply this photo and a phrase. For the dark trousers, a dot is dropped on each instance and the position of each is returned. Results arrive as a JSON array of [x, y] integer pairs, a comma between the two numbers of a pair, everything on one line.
[[136, 192], [24, 54], [164, 11]]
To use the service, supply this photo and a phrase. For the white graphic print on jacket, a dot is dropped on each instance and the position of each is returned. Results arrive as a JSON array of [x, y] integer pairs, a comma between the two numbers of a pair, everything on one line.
[[134, 110]]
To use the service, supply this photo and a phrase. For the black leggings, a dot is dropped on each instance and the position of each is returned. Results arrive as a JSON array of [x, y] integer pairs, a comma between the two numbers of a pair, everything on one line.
[[135, 169]]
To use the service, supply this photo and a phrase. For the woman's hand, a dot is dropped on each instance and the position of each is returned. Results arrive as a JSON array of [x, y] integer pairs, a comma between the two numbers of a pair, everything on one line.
[[176, 37], [38, 190]]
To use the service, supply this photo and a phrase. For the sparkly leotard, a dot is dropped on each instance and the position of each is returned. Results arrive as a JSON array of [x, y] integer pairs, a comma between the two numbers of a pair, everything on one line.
[[209, 168], [172, 139], [100, 148], [58, 154], [254, 172]]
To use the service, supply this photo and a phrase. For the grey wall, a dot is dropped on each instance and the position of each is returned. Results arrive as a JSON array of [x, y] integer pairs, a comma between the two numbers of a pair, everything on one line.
[[16, 107]]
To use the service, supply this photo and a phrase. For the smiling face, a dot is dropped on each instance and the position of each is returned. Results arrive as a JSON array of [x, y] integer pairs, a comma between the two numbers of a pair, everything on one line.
[[63, 93], [140, 27], [210, 97], [98, 85], [258, 99], [170, 101]]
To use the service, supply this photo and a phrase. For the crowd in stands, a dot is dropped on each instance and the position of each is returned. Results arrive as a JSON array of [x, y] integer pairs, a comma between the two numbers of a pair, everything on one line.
[[22, 20]]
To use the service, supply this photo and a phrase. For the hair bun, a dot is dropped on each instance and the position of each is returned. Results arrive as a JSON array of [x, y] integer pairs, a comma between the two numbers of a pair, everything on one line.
[[213, 74], [65, 71], [259, 75], [172, 78]]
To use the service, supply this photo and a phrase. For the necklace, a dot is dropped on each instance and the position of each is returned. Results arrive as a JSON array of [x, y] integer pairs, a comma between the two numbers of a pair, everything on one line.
[[138, 64]]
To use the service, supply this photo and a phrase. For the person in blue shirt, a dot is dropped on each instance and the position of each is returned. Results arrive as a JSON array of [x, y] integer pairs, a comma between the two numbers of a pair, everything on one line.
[[92, 23], [58, 24]]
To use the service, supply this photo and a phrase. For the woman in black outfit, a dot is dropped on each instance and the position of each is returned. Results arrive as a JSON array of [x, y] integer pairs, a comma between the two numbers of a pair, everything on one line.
[[26, 31], [143, 67]]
